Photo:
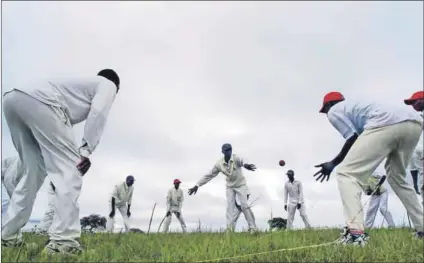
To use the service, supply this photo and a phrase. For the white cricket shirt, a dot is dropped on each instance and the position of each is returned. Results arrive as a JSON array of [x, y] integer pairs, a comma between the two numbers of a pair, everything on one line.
[[174, 200], [122, 194], [81, 99], [294, 191], [355, 117], [233, 170]]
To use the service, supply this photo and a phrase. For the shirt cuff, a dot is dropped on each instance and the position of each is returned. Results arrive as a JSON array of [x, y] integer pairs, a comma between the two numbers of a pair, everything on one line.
[[84, 152]]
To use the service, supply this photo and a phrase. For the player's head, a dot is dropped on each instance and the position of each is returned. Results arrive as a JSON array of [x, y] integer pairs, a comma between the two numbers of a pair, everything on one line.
[[177, 183], [111, 75], [331, 99], [227, 150], [290, 175], [130, 180], [416, 101]]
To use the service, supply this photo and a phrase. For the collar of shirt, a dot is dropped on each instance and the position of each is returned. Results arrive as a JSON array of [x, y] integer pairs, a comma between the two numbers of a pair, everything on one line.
[[229, 161]]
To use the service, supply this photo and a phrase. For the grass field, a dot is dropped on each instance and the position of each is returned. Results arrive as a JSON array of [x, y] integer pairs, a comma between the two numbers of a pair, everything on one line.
[[386, 245]]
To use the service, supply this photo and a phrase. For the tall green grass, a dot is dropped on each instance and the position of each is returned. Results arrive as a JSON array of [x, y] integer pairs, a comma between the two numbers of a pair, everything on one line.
[[386, 245]]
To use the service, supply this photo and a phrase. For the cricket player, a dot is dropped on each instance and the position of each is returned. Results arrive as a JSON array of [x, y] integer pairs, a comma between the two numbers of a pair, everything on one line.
[[373, 132], [121, 199], [294, 189], [174, 203], [231, 166], [378, 201], [11, 173], [238, 211], [417, 161], [40, 118]]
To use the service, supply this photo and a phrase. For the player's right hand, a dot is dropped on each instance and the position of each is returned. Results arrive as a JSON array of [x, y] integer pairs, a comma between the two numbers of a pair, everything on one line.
[[193, 190], [112, 214]]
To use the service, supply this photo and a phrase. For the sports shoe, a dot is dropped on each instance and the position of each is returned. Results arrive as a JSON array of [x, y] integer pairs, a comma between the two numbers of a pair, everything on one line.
[[354, 237], [11, 243], [55, 248], [419, 235]]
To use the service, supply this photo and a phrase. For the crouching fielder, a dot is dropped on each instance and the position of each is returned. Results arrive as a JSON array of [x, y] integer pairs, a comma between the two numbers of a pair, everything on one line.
[[231, 166], [294, 189], [174, 203], [40, 119], [417, 160], [121, 199], [11, 173], [373, 132], [378, 200]]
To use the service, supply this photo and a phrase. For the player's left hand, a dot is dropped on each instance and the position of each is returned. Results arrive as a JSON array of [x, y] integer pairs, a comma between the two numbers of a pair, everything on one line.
[[250, 167], [325, 171], [84, 165]]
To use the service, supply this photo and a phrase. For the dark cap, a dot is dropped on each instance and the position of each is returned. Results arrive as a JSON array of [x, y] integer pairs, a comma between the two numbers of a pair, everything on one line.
[[130, 177], [226, 146], [290, 172]]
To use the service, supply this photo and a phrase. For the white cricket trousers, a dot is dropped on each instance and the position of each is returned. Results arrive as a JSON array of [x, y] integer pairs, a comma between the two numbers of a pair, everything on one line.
[[44, 140], [110, 222], [168, 220], [396, 143], [237, 213], [417, 164], [291, 210], [47, 220], [241, 193], [378, 201]]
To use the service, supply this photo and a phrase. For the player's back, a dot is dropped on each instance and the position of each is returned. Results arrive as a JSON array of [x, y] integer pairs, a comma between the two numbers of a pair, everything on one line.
[[73, 95]]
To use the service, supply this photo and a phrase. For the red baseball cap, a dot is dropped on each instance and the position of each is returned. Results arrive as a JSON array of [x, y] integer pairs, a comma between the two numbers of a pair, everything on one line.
[[331, 96], [177, 181], [416, 96]]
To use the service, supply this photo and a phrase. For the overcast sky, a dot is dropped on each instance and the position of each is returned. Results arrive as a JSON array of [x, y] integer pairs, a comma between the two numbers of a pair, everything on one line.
[[195, 75]]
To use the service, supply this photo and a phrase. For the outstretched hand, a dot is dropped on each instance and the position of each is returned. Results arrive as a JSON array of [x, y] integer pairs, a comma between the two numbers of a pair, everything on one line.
[[325, 171], [193, 190], [250, 167]]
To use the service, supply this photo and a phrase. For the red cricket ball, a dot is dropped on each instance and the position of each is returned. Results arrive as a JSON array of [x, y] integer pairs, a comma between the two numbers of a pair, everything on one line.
[[282, 163]]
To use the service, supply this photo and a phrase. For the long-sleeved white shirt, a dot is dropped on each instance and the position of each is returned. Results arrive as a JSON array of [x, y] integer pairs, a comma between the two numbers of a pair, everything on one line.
[[174, 200], [12, 171], [88, 99], [233, 170], [122, 194], [295, 191]]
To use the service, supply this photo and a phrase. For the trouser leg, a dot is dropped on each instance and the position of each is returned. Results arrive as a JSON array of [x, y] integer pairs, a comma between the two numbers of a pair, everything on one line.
[[166, 224], [369, 150], [408, 136], [125, 218], [241, 193], [23, 197], [304, 217], [49, 214], [182, 223], [384, 209], [291, 210], [231, 206], [53, 133], [372, 211]]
